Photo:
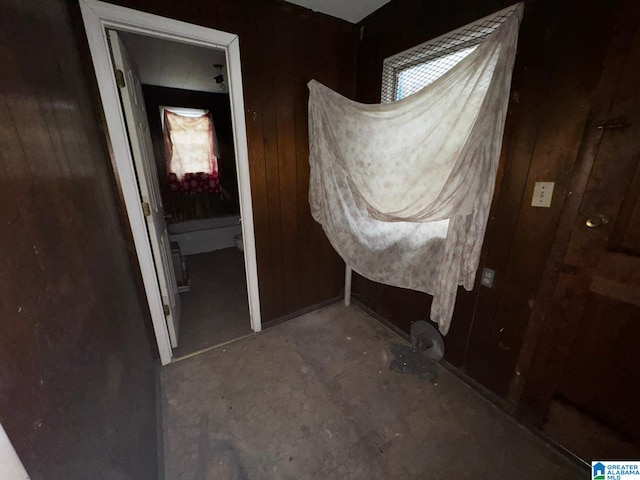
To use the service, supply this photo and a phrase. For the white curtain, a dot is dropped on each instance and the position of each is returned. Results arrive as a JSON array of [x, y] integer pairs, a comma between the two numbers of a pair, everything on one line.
[[403, 190], [191, 145]]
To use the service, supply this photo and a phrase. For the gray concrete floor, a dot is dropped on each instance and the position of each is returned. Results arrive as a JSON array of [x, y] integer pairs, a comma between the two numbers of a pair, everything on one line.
[[216, 308], [315, 398]]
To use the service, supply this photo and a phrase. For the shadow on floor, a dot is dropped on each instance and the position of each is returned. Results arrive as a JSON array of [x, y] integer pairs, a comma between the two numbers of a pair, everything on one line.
[[215, 309], [316, 398]]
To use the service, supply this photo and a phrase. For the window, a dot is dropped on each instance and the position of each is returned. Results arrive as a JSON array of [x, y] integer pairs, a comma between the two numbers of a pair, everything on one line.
[[410, 71], [191, 150], [190, 141]]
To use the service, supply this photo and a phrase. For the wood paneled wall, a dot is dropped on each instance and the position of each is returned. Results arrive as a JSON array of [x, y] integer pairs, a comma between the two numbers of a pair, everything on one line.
[[282, 47], [77, 368], [561, 54], [77, 393]]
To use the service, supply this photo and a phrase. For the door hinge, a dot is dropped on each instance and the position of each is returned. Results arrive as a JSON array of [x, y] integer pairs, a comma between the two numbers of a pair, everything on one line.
[[120, 78], [167, 310], [146, 209]]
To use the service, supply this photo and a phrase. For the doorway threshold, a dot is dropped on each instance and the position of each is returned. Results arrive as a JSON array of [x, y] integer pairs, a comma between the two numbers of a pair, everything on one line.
[[204, 350]]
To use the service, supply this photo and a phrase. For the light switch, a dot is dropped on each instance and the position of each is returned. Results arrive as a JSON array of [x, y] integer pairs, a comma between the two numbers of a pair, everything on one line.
[[542, 193]]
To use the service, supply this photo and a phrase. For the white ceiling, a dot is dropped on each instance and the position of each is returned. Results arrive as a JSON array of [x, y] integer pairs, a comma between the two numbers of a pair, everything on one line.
[[178, 65], [173, 64], [350, 10]]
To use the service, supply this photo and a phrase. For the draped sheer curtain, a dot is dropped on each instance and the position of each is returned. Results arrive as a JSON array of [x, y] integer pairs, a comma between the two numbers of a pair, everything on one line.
[[403, 189]]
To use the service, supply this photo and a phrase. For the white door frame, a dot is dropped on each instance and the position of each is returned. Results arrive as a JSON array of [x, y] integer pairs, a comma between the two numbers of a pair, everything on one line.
[[10, 464], [97, 17]]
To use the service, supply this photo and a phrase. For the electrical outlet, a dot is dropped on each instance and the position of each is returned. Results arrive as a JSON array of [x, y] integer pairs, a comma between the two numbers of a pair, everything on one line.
[[542, 193], [487, 277]]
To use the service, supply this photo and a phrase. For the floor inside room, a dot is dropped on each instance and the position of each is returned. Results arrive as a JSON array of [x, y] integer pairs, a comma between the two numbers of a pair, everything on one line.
[[215, 309], [334, 394]]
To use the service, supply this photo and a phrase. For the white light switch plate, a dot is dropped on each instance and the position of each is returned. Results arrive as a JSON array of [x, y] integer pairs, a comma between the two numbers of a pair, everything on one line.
[[542, 193]]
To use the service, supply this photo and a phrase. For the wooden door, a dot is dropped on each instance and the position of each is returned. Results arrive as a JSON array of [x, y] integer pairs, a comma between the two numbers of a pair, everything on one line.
[[584, 381], [142, 149]]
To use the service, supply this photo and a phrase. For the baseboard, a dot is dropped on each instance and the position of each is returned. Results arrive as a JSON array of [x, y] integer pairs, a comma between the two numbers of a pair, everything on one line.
[[159, 423], [299, 313]]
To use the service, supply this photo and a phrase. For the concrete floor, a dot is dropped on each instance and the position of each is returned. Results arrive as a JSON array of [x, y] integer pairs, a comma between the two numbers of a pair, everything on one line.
[[315, 398], [215, 309]]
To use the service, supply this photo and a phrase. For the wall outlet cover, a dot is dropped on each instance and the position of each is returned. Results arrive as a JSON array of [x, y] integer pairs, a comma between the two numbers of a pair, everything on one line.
[[542, 193], [487, 278]]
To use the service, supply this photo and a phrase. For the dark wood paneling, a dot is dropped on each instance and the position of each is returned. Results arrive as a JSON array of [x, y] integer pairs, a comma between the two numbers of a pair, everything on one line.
[[77, 369], [625, 236], [600, 104], [400, 306], [606, 350], [282, 47], [566, 73], [586, 322]]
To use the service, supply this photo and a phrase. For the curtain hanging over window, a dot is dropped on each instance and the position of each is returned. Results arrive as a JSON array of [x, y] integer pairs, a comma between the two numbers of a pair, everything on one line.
[[403, 190], [191, 150]]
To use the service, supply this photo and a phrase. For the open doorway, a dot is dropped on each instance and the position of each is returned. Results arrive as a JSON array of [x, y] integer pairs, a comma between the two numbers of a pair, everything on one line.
[[161, 253], [189, 113]]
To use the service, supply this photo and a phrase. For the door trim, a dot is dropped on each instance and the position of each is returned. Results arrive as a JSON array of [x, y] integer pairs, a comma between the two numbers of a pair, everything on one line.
[[97, 17], [10, 464]]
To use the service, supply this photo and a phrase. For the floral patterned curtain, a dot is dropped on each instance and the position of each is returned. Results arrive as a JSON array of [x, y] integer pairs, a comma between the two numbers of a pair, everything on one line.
[[403, 190]]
